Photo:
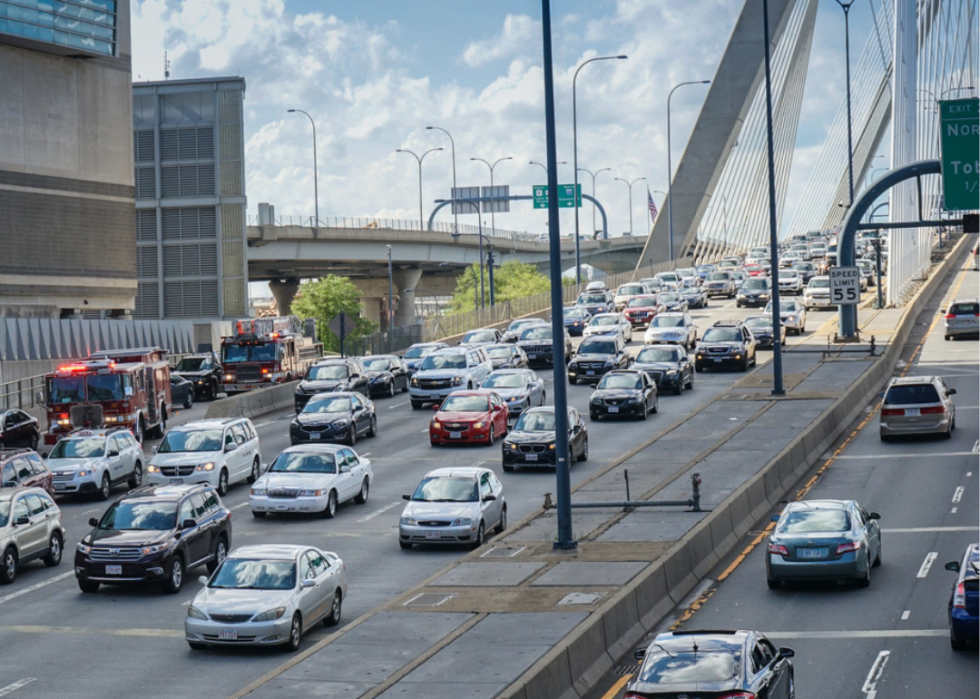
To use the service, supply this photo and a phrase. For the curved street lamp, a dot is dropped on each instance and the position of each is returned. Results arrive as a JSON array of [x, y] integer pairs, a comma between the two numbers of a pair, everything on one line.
[[670, 170], [452, 144], [630, 184], [493, 204], [593, 175], [316, 193], [419, 159]]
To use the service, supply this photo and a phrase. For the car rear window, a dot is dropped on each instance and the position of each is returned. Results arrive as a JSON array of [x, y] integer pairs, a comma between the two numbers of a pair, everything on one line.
[[688, 667], [807, 521], [912, 393], [965, 309]]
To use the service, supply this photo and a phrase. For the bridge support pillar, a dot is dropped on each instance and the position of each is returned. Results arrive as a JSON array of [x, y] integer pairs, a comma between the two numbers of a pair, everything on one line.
[[284, 290], [406, 280]]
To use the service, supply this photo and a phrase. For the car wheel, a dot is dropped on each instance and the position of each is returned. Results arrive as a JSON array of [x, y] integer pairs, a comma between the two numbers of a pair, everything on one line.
[[223, 482], [491, 437], [404, 545], [55, 550], [140, 430], [391, 389], [678, 388], [594, 417], [136, 478], [373, 429], [572, 380], [105, 488], [416, 405], [220, 554], [698, 367], [544, 397], [481, 536], [88, 586], [295, 634], [946, 337], [865, 580], [507, 467], [255, 472], [259, 515], [690, 384], [878, 557], [352, 435], [189, 400], [362, 497], [645, 413], [584, 456], [336, 607], [330, 511], [656, 406], [502, 524], [175, 580], [956, 643], [197, 646], [773, 584], [34, 440]]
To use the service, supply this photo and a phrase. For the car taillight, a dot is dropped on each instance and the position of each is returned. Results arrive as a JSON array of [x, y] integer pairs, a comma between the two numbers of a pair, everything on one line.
[[950, 315], [631, 695], [778, 548], [934, 410], [959, 597], [886, 412], [850, 546], [738, 695]]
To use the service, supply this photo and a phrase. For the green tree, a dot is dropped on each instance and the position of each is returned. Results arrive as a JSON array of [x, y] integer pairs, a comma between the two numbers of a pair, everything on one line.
[[512, 280], [325, 298]]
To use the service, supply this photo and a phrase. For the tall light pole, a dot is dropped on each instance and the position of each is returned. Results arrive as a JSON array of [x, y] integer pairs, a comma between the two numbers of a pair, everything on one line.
[[593, 174], [670, 170], [846, 6], [575, 199], [452, 144], [777, 349], [545, 167], [419, 159], [493, 204], [316, 192], [629, 186], [391, 301]]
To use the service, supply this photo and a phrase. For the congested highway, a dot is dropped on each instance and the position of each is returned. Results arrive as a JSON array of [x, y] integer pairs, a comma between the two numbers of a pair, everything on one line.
[[45, 616]]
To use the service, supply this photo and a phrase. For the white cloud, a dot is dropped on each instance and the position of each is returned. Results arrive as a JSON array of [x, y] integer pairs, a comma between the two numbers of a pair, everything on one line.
[[518, 34]]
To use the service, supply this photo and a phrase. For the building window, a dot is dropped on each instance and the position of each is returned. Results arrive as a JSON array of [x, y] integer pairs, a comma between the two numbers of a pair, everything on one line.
[[85, 25]]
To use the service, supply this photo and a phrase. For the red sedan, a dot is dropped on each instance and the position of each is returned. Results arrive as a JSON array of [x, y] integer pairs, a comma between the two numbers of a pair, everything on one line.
[[755, 270], [469, 416], [640, 310]]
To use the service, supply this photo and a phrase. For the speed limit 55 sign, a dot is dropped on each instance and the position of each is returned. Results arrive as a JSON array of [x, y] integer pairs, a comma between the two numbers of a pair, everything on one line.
[[845, 285]]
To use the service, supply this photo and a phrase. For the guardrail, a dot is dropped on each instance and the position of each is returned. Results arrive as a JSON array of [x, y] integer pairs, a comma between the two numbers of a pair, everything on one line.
[[391, 224], [20, 394]]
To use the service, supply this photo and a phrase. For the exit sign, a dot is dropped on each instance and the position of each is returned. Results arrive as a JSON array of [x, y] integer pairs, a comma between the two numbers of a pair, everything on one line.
[[566, 196], [959, 124]]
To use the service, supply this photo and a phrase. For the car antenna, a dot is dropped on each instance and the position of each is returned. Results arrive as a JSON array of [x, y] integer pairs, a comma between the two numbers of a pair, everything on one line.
[[667, 651]]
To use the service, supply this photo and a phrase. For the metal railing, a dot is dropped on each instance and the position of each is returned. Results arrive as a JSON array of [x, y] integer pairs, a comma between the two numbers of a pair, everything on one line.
[[20, 394], [392, 224]]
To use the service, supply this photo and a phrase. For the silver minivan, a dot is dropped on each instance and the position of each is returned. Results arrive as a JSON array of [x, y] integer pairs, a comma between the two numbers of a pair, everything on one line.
[[30, 529], [917, 405]]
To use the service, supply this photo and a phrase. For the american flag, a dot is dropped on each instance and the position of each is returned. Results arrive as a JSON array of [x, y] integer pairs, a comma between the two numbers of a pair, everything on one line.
[[651, 206]]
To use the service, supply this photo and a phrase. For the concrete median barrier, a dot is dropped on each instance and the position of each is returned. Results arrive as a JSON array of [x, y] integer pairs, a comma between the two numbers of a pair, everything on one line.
[[254, 403]]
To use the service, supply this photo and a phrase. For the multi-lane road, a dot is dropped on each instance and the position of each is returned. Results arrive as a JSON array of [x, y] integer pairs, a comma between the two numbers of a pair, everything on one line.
[[128, 641]]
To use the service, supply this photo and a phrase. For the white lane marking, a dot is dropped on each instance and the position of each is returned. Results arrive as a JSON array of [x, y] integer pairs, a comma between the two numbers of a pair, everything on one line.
[[905, 615], [88, 512], [927, 564], [16, 685], [838, 635], [384, 509], [367, 453], [874, 674], [969, 473], [976, 446], [953, 510], [958, 495], [397, 405], [927, 530], [929, 455], [36, 586], [239, 506]]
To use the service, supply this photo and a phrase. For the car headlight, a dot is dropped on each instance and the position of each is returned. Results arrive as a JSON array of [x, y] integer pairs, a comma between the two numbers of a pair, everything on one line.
[[478, 425], [299, 391], [436, 425], [195, 613], [310, 493], [457, 380], [229, 377], [152, 469], [408, 521], [415, 382], [672, 372], [270, 615], [341, 423], [156, 548], [83, 473], [596, 400], [208, 466], [792, 319], [510, 445], [83, 548], [257, 491], [462, 522]]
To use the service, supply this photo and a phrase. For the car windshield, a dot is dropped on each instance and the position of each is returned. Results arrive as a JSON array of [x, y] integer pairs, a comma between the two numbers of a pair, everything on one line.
[[668, 322], [597, 347], [657, 354], [719, 277], [190, 364], [759, 322], [327, 372], [380, 364], [641, 301], [465, 404], [518, 324], [536, 422], [300, 462], [669, 298], [327, 404], [912, 393], [249, 352], [574, 313], [755, 284], [722, 335], [190, 440], [248, 574], [105, 387], [479, 336], [803, 266], [444, 361], [810, 521], [417, 352], [685, 667], [620, 381], [604, 320], [499, 352], [669, 277], [785, 306], [629, 289], [85, 448], [788, 274], [591, 298], [504, 381], [819, 283], [447, 489], [704, 269], [141, 515], [542, 333]]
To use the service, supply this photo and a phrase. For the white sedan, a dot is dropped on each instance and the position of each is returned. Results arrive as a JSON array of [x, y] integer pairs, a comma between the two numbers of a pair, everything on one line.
[[267, 596], [792, 314], [312, 479], [790, 281], [609, 323]]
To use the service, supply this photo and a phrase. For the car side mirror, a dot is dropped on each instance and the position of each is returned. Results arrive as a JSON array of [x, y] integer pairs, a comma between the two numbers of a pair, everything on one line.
[[787, 653], [345, 469], [112, 452], [406, 497], [774, 518], [93, 521], [640, 654], [22, 520], [874, 515], [188, 523], [230, 447], [953, 566], [39, 398], [952, 391], [203, 580], [488, 497], [435, 407]]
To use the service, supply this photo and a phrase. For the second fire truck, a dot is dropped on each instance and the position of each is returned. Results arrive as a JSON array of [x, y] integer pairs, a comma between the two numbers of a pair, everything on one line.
[[264, 352]]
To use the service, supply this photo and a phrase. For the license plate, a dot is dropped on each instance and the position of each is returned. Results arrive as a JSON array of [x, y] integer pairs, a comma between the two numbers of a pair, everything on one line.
[[227, 635], [282, 508], [717, 360], [813, 553], [59, 486], [613, 409], [113, 570], [432, 535], [455, 435], [590, 372], [912, 411], [176, 481], [531, 457], [532, 355], [314, 435]]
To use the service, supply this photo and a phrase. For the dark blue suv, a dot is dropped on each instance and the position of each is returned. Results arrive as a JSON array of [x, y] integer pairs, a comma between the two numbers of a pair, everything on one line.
[[963, 620]]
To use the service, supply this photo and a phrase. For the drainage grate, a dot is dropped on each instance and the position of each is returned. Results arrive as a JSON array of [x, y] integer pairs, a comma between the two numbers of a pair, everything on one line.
[[623, 670], [503, 552], [429, 599], [580, 598]]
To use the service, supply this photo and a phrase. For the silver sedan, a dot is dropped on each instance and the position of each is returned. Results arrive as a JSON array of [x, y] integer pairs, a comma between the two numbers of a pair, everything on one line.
[[792, 314], [521, 388], [267, 596]]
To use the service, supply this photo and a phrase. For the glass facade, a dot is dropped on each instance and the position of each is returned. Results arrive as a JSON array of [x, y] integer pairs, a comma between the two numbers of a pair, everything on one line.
[[85, 25]]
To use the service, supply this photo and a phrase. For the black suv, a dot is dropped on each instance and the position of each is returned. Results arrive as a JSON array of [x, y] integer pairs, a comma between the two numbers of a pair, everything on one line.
[[537, 343], [332, 375], [595, 357], [203, 371], [18, 429], [155, 533], [725, 343]]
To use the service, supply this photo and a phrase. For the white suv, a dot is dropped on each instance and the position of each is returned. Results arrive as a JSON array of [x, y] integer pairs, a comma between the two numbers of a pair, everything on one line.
[[216, 452], [92, 461], [30, 529]]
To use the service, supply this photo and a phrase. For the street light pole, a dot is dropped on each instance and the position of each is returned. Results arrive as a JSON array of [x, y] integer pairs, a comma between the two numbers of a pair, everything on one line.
[[846, 6], [493, 298], [453, 146], [629, 186], [670, 170], [575, 197], [593, 174], [391, 301], [316, 191], [777, 348], [545, 167], [493, 204], [419, 159]]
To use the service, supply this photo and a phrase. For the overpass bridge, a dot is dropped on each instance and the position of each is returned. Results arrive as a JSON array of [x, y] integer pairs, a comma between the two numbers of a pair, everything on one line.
[[428, 260]]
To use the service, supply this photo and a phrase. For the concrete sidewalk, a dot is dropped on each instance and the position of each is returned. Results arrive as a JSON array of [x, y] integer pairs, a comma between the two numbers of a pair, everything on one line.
[[517, 619]]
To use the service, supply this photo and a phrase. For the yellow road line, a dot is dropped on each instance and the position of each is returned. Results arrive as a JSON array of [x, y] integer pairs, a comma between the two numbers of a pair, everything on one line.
[[42, 628], [614, 690]]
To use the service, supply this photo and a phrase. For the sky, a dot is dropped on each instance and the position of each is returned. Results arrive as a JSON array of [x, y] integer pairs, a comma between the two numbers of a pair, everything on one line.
[[374, 73]]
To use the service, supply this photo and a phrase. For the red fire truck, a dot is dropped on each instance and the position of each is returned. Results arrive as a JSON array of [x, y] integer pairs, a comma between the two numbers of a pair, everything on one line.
[[264, 352], [115, 388]]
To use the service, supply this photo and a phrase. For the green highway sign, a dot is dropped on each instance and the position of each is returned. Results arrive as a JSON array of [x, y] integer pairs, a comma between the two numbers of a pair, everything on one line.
[[959, 124], [566, 199]]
